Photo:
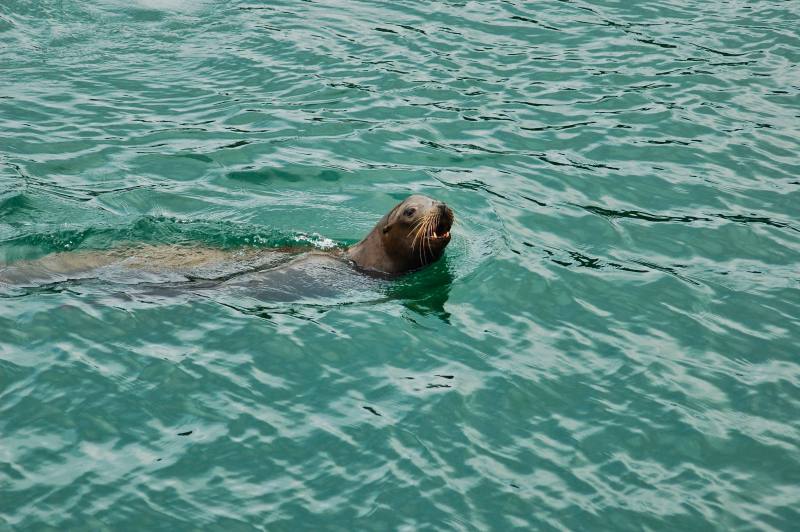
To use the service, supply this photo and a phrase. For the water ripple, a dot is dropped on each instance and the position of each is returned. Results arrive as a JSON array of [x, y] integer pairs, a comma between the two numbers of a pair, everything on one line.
[[610, 342]]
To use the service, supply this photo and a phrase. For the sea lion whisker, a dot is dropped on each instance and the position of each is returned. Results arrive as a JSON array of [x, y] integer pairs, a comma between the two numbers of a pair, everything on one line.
[[434, 225], [428, 231], [419, 230], [420, 221], [429, 219], [425, 225], [424, 232], [417, 242], [415, 228]]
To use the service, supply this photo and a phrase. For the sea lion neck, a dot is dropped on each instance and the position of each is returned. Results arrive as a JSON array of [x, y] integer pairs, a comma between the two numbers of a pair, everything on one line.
[[370, 253]]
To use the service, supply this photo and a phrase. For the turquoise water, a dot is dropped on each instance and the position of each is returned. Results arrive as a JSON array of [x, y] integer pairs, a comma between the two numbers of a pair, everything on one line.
[[611, 342]]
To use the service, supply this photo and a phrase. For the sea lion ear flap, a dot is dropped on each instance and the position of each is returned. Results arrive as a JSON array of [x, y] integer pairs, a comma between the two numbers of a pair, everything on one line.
[[387, 225]]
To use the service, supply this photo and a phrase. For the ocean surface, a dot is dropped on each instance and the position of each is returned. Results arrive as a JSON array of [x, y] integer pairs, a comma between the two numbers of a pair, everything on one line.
[[612, 341]]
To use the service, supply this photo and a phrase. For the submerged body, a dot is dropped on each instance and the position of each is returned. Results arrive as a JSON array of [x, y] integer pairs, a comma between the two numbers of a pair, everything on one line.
[[142, 263], [412, 235]]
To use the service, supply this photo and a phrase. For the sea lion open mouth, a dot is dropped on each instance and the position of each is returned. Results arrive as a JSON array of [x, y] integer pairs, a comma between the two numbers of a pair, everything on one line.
[[442, 224], [433, 225]]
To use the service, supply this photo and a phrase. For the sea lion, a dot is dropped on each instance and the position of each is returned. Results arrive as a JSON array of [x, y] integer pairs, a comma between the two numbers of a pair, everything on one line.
[[412, 235]]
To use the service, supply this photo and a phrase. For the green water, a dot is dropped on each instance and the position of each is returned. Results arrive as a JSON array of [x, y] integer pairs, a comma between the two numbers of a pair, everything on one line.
[[611, 342]]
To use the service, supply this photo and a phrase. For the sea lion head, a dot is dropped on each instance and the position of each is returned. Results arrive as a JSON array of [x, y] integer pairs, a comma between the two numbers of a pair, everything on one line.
[[417, 229], [412, 235]]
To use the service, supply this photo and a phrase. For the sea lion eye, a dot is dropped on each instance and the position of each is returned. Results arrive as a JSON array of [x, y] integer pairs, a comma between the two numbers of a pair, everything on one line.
[[409, 212]]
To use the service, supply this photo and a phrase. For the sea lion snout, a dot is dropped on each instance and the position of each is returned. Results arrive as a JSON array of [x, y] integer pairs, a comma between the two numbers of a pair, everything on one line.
[[445, 217]]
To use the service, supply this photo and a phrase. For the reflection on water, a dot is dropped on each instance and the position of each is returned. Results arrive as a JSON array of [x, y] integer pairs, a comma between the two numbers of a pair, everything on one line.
[[426, 291]]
